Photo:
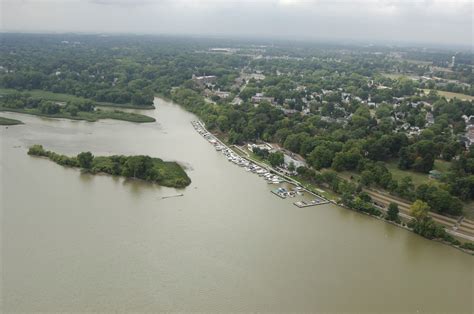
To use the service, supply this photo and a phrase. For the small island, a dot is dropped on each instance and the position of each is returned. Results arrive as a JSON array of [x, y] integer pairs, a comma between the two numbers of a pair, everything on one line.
[[7, 121], [74, 110], [155, 170]]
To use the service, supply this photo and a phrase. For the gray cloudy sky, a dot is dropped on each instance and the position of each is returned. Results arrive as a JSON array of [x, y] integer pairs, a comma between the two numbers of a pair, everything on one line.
[[433, 21]]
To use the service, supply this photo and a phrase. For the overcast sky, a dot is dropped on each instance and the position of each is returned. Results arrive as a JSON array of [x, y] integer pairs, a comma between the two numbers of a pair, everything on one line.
[[423, 21]]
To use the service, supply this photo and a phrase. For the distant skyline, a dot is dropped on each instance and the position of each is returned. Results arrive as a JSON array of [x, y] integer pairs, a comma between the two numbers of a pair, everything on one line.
[[440, 22]]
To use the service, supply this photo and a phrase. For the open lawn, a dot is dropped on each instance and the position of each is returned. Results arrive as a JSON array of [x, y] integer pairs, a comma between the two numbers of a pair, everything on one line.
[[469, 210], [417, 177], [419, 62], [67, 97], [450, 95]]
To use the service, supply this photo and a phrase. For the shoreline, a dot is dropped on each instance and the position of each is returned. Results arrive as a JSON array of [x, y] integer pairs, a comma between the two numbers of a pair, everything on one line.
[[332, 201], [141, 118], [9, 122], [199, 125]]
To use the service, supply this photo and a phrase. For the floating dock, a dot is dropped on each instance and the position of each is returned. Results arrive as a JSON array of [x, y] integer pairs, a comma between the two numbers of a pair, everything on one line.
[[170, 196], [317, 201]]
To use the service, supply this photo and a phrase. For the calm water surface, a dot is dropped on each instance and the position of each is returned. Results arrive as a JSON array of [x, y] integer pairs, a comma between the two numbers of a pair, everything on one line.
[[76, 242]]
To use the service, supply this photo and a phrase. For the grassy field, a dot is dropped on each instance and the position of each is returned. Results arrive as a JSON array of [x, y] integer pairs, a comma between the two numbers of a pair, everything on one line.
[[419, 62], [450, 95], [417, 177], [7, 121], [88, 116], [469, 210], [67, 97]]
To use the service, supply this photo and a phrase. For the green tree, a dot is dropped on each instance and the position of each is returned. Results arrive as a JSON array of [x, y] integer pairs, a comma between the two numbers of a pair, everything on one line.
[[276, 159], [321, 157], [419, 210], [291, 166], [392, 213], [85, 160]]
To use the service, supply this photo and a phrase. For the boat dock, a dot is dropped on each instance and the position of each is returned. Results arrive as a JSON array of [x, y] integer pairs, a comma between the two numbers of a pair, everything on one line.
[[249, 165], [269, 174], [316, 201], [171, 196]]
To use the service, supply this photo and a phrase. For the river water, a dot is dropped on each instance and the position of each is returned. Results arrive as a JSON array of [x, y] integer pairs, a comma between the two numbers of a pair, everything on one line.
[[77, 242]]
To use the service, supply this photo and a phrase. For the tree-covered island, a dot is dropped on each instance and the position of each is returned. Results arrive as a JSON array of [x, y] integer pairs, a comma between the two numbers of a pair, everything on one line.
[[150, 169]]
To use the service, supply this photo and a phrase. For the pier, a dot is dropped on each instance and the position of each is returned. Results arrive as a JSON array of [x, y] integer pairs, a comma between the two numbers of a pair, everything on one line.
[[317, 201], [170, 196], [271, 175]]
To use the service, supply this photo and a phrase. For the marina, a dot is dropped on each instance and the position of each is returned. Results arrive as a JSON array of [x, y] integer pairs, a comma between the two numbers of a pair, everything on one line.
[[231, 156], [269, 175]]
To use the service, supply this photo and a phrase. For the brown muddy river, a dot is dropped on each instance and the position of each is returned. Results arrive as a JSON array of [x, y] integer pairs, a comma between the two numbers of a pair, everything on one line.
[[75, 242]]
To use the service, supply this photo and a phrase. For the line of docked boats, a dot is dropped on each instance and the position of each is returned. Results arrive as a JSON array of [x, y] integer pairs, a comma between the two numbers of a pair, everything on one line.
[[284, 193], [233, 157]]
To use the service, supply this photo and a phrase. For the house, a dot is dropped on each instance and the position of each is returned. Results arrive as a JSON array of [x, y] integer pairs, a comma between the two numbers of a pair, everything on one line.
[[300, 88], [205, 80], [289, 111], [469, 120], [346, 97], [222, 50], [328, 119], [260, 97], [264, 146], [399, 115], [469, 135], [222, 95], [288, 159], [405, 126], [426, 105], [257, 76], [414, 131], [429, 119], [398, 100], [305, 111]]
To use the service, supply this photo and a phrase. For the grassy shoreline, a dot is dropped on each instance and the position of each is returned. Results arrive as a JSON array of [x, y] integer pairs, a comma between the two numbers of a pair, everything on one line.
[[87, 116], [8, 121], [47, 95]]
